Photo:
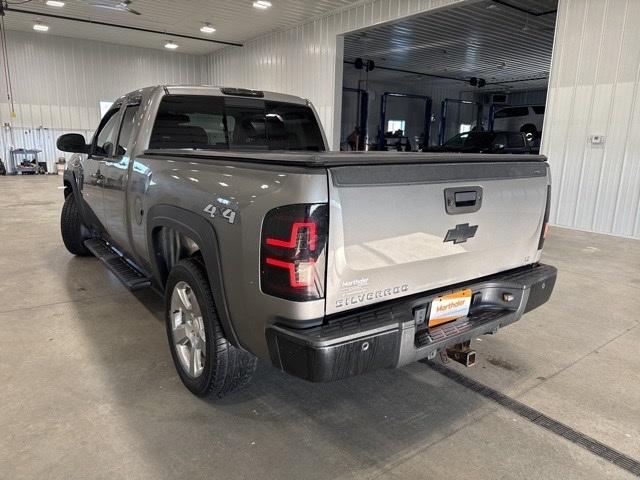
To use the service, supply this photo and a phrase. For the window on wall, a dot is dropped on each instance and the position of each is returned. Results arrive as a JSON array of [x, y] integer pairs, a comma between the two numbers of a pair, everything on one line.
[[104, 107], [465, 127], [395, 125]]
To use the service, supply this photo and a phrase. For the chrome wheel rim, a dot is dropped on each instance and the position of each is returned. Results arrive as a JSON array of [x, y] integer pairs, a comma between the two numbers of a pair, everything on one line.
[[187, 329]]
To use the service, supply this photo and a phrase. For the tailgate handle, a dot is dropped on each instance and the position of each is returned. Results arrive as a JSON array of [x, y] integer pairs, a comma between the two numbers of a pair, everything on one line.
[[462, 199]]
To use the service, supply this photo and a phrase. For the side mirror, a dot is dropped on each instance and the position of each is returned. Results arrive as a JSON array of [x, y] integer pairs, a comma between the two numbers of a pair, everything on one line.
[[72, 143]]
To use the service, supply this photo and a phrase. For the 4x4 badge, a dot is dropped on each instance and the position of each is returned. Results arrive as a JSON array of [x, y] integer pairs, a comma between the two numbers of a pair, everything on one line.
[[461, 233]]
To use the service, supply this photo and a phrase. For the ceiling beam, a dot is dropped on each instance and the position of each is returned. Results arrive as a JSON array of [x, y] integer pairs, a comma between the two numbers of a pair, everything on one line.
[[504, 3], [115, 25], [444, 77]]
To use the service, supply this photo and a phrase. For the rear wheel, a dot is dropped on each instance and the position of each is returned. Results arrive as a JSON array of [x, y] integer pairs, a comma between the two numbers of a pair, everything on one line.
[[74, 232], [208, 365]]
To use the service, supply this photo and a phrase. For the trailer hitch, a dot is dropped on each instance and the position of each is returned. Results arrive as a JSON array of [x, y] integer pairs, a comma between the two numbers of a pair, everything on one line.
[[461, 353]]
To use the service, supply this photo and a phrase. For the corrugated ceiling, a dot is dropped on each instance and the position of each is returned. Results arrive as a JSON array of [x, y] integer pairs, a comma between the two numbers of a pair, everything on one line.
[[234, 20], [484, 39]]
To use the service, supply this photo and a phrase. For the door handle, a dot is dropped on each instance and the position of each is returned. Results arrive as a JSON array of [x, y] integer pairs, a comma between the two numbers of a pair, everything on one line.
[[462, 199]]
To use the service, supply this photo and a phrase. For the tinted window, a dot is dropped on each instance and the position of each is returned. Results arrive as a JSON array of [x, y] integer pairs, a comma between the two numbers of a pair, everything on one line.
[[512, 112], [126, 128], [223, 123], [515, 140], [538, 109], [107, 132]]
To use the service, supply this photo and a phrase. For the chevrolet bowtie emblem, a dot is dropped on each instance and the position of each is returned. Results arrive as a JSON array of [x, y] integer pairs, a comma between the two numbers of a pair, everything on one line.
[[461, 233]]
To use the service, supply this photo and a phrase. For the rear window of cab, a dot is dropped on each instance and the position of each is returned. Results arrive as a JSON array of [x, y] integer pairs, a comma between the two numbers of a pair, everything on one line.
[[208, 122]]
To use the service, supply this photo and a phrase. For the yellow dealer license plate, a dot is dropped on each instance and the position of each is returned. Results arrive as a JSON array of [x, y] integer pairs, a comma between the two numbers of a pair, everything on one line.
[[450, 307]]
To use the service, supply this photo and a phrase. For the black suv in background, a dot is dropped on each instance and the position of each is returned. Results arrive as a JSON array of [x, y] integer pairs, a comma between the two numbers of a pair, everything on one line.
[[486, 142]]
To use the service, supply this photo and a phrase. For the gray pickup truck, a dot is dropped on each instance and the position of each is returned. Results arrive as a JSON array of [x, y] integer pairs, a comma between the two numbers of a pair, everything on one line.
[[266, 245]]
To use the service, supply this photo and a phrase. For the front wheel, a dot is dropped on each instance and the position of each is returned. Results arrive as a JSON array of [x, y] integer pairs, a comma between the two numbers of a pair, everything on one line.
[[208, 365], [74, 232]]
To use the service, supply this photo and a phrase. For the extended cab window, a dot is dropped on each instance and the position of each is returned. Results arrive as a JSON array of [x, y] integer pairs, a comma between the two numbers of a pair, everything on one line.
[[126, 128], [106, 135], [234, 123]]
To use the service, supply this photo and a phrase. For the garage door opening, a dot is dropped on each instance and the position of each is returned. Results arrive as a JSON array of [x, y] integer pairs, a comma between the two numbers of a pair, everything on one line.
[[469, 78]]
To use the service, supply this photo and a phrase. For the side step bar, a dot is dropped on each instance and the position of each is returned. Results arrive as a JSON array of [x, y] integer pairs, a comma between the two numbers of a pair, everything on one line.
[[115, 261]]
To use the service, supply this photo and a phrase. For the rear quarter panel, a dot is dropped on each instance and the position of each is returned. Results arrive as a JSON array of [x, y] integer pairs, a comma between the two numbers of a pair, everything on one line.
[[247, 190]]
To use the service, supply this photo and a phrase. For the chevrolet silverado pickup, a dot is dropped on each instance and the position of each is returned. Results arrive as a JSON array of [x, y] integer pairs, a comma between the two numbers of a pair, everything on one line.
[[266, 245]]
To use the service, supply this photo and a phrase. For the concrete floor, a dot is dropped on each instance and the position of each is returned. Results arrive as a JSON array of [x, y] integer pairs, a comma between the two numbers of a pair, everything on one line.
[[88, 390]]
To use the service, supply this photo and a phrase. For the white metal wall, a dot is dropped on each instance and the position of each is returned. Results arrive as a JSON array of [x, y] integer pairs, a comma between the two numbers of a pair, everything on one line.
[[58, 83], [595, 90], [307, 60]]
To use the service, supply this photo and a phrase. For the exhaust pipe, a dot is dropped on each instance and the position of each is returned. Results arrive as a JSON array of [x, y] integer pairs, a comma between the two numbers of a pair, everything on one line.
[[463, 354]]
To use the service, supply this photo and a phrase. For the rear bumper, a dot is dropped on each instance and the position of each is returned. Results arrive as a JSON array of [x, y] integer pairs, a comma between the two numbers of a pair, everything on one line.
[[392, 335]]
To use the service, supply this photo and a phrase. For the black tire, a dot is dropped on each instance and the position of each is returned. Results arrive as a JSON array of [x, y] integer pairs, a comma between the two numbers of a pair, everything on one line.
[[528, 128], [74, 232], [226, 368]]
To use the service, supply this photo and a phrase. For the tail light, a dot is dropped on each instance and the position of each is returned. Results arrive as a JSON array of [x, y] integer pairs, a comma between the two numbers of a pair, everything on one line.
[[545, 222], [293, 252]]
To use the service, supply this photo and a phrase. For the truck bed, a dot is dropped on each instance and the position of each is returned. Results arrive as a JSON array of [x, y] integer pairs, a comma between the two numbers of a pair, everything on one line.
[[394, 232]]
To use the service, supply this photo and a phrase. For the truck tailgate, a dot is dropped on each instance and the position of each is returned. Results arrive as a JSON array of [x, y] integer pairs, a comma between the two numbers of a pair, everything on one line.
[[401, 229]]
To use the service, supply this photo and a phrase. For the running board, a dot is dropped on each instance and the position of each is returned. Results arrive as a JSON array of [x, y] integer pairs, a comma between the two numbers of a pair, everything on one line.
[[115, 261]]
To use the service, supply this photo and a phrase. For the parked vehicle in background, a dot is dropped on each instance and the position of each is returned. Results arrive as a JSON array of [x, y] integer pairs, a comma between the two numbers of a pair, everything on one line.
[[522, 118], [485, 142], [327, 264]]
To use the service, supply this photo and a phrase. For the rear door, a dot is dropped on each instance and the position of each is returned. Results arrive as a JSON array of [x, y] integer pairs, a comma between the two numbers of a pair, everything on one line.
[[397, 230]]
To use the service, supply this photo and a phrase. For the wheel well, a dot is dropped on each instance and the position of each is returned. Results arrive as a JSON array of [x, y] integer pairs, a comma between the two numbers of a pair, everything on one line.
[[169, 247]]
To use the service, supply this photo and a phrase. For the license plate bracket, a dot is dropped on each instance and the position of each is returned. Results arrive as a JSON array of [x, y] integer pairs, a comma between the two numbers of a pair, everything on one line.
[[450, 307]]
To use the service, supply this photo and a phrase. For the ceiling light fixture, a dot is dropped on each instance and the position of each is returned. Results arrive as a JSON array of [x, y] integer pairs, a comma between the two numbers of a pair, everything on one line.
[[207, 28], [55, 3], [40, 27], [171, 45], [262, 4]]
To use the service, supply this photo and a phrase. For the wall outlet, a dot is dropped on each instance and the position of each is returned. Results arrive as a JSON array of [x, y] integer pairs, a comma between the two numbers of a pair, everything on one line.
[[596, 139]]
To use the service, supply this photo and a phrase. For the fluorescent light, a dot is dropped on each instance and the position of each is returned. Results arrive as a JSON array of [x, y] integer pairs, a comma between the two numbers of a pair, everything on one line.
[[207, 28], [171, 45], [263, 4], [55, 3], [40, 27]]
